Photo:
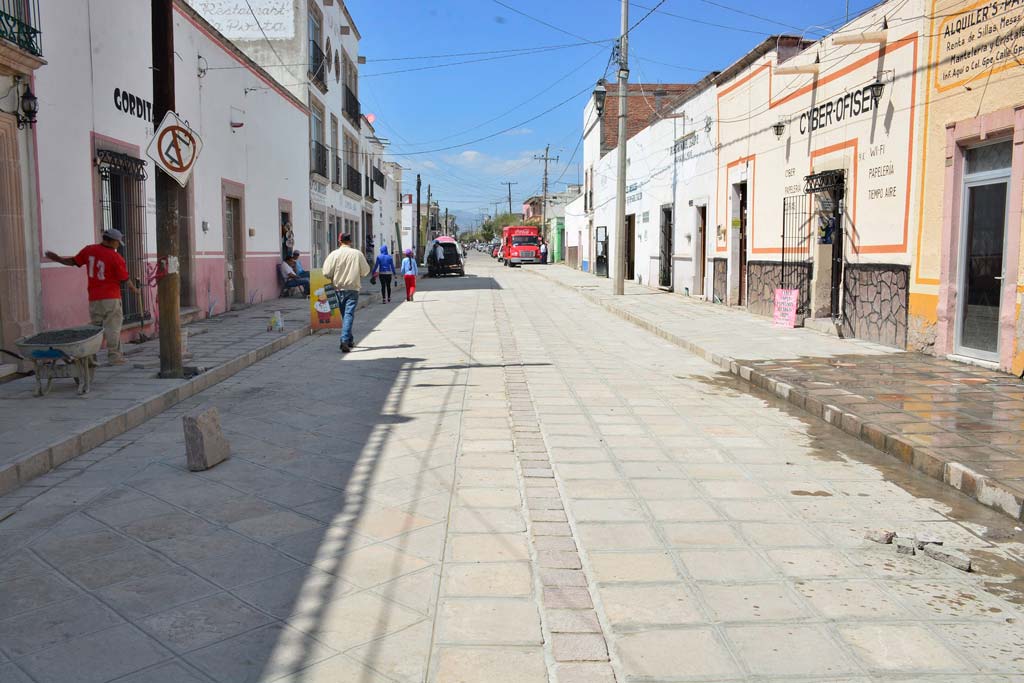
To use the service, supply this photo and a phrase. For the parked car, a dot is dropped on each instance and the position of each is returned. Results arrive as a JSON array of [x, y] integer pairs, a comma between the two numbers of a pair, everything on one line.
[[452, 261]]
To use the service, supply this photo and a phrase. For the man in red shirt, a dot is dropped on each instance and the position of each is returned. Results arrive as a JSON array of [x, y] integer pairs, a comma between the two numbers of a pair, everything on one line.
[[106, 271]]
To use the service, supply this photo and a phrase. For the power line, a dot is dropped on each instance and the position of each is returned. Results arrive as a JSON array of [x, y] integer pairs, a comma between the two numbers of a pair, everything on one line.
[[551, 26], [483, 52], [504, 130], [470, 61]]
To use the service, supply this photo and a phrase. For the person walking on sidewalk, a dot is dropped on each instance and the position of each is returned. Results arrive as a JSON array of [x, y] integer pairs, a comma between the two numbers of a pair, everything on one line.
[[106, 270], [543, 253], [409, 274], [384, 268], [345, 267]]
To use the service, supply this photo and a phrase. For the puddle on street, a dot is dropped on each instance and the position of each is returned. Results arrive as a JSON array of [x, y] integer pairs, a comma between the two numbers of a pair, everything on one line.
[[998, 564]]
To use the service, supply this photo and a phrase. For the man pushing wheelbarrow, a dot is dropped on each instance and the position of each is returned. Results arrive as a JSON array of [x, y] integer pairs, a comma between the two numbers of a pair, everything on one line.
[[106, 270]]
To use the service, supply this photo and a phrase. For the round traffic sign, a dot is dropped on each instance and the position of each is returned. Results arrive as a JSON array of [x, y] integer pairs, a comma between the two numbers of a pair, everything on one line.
[[177, 148]]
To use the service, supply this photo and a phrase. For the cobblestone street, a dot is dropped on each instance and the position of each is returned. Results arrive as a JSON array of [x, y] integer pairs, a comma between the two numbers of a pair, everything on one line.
[[502, 482]]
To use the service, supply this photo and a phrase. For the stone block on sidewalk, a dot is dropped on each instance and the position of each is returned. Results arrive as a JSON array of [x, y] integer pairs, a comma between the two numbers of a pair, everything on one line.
[[572, 621], [905, 546], [205, 445], [948, 556], [880, 536]]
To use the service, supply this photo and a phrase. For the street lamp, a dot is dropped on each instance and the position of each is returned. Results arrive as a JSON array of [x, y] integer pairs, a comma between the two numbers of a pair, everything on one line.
[[876, 89], [600, 93], [29, 108], [779, 127]]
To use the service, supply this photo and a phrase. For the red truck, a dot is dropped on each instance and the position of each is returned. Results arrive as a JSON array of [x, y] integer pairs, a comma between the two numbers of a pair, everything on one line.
[[520, 244]]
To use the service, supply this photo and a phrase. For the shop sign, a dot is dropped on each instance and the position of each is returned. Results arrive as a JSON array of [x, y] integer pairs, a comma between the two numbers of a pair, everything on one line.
[[249, 20], [848, 106], [982, 39], [133, 105], [784, 314]]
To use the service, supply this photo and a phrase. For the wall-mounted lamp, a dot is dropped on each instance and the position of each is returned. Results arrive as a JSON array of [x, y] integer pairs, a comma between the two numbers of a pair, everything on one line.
[[779, 127], [206, 227], [600, 94], [29, 108], [876, 89]]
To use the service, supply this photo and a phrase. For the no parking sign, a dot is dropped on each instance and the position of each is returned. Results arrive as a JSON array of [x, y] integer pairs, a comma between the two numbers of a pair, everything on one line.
[[175, 148]]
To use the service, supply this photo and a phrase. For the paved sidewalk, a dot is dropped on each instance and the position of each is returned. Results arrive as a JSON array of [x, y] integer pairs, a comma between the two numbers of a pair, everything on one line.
[[958, 423], [40, 433], [485, 491]]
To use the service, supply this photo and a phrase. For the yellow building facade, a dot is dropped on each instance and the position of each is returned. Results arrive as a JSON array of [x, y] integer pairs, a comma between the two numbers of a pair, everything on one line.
[[966, 278]]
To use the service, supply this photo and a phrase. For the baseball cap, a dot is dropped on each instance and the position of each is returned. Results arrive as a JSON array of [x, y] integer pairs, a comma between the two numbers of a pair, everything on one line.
[[345, 238], [113, 234], [295, 253]]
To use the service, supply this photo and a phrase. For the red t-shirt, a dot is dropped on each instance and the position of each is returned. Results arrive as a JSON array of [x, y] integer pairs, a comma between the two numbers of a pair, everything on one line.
[[106, 271]]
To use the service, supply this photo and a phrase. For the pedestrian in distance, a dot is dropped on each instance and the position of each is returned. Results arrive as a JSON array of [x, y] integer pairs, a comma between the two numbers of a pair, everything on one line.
[[105, 270], [543, 253], [409, 274], [345, 267], [384, 268]]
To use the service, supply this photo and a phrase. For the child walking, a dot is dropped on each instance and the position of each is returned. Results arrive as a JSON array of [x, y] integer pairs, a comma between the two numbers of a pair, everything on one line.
[[384, 268], [409, 274]]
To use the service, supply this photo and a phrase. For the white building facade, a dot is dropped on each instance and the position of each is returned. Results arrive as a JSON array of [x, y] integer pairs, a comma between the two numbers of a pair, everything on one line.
[[96, 106]]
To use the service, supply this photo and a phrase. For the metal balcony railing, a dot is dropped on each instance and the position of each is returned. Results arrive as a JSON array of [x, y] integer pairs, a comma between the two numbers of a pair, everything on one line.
[[19, 23], [368, 192], [353, 180], [379, 179], [317, 64], [318, 158], [339, 165], [352, 110]]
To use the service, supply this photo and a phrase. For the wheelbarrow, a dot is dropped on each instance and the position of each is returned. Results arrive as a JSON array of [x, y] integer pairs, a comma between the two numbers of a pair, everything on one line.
[[63, 354]]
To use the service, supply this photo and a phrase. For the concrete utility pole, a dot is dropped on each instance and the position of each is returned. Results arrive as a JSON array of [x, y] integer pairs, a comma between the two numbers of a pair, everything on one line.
[[168, 292], [446, 220], [544, 207], [509, 195], [619, 264]]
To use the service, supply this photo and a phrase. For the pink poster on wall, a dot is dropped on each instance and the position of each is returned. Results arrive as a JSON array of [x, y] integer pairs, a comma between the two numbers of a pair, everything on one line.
[[785, 307]]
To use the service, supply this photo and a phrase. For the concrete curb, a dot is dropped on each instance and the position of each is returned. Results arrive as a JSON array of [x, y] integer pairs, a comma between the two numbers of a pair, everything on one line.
[[993, 493], [38, 463]]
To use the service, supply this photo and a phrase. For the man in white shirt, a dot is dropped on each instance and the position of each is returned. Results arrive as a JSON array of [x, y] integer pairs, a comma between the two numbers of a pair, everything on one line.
[[292, 278], [345, 267]]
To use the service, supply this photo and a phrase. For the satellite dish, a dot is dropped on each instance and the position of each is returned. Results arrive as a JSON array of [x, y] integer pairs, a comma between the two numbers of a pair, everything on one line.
[[371, 117]]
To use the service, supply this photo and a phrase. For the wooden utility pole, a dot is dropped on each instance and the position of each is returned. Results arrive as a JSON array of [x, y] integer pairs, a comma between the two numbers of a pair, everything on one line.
[[509, 195], [544, 207], [419, 235], [167, 193], [430, 212]]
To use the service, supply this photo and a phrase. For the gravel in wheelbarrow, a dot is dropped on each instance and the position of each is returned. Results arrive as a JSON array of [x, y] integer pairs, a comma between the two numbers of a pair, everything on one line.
[[69, 335]]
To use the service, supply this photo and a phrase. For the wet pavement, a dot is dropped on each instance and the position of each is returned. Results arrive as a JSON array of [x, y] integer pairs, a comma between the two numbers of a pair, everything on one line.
[[959, 423], [504, 482]]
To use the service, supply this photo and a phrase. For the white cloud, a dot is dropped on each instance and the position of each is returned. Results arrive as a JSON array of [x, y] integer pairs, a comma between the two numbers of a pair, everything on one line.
[[520, 131], [486, 164], [429, 164]]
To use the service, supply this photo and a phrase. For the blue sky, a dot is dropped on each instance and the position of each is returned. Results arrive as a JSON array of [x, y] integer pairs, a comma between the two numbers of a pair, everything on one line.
[[424, 109]]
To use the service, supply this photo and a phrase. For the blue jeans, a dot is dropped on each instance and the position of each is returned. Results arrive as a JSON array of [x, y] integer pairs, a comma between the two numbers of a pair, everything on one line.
[[347, 301]]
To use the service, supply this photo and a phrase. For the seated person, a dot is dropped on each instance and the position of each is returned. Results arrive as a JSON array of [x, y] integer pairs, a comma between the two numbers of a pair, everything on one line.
[[299, 270], [290, 277]]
